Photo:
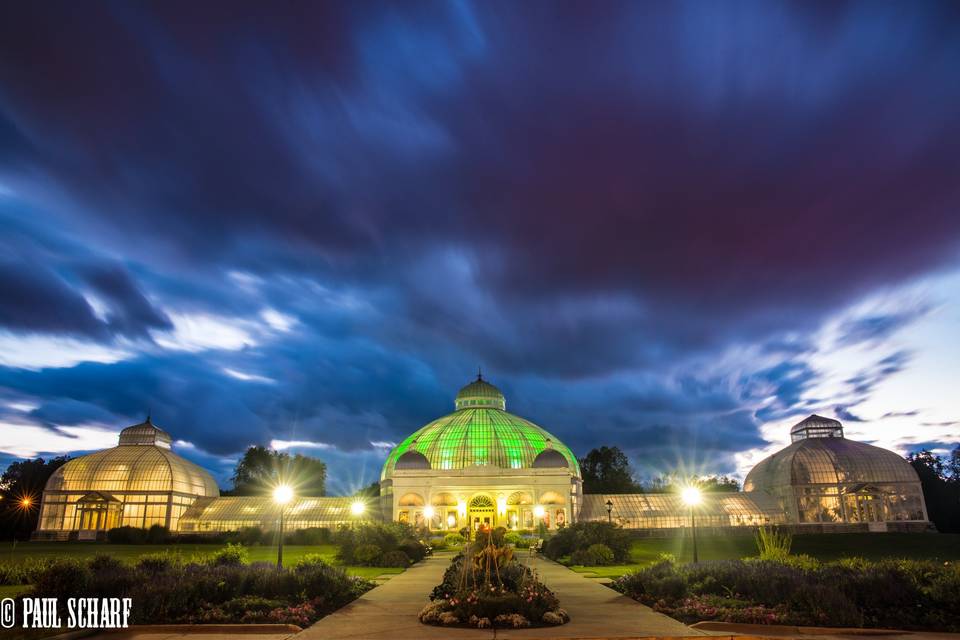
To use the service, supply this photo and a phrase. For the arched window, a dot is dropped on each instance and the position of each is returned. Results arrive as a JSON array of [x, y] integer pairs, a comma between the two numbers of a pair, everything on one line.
[[519, 497], [444, 500], [552, 497], [411, 500], [481, 502]]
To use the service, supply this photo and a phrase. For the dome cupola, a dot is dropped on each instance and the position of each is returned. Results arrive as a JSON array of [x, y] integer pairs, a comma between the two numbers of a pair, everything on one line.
[[815, 426], [480, 394], [146, 433]]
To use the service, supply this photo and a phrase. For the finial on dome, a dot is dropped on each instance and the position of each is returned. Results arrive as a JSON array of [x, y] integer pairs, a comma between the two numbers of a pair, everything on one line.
[[479, 374]]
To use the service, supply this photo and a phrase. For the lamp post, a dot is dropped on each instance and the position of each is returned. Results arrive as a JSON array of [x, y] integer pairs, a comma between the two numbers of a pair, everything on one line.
[[692, 497], [610, 511], [282, 495]]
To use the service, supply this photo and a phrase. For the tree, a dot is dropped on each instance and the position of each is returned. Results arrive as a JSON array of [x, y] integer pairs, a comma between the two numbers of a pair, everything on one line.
[[941, 488], [261, 469], [607, 470], [707, 484], [372, 490], [21, 488]]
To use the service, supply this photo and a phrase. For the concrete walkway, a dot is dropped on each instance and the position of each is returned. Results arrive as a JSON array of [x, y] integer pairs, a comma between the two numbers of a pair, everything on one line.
[[390, 610]]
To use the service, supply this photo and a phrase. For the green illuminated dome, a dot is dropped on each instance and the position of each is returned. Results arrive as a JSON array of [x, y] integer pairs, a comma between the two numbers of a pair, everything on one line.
[[480, 432]]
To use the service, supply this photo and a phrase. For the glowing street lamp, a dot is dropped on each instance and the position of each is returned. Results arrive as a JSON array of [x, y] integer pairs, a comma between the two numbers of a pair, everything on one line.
[[691, 497], [358, 508], [539, 511], [282, 495]]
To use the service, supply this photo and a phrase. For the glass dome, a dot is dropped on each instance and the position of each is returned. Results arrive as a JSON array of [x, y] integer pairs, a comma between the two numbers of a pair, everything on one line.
[[134, 465], [479, 432], [824, 478], [831, 460]]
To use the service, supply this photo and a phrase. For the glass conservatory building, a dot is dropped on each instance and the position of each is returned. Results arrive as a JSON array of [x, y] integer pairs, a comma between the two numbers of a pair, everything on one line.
[[823, 479], [139, 483], [481, 466]]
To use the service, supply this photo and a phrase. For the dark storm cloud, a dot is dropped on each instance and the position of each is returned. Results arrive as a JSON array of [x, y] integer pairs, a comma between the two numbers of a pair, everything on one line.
[[131, 313], [32, 298], [568, 195]]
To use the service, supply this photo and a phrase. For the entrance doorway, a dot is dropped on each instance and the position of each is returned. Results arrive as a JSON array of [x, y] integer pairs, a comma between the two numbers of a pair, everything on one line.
[[481, 513], [99, 511]]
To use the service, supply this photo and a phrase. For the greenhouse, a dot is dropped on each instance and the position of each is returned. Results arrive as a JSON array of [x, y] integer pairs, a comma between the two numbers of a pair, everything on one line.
[[139, 483], [481, 466], [824, 478], [667, 511], [233, 513]]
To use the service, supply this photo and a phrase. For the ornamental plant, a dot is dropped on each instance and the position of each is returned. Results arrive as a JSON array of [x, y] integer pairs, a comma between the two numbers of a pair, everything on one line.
[[485, 586]]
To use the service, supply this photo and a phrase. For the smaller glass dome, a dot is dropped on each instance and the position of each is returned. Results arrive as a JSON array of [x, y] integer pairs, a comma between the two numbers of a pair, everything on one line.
[[827, 460], [143, 461], [480, 394]]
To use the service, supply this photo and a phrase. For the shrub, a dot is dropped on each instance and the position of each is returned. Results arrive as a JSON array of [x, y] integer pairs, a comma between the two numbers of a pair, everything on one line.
[[395, 558], [247, 536], [386, 537], [127, 535], [413, 549], [158, 534], [594, 555], [230, 556], [62, 579], [367, 554], [23, 572], [512, 537], [310, 536], [454, 540], [773, 543], [153, 563], [583, 534]]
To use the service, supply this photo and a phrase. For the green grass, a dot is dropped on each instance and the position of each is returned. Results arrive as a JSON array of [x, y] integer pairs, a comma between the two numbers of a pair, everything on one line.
[[131, 552], [872, 546]]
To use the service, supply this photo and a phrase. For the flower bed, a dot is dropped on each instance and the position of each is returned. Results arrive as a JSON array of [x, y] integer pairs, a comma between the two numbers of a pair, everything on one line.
[[167, 590], [799, 590], [484, 587]]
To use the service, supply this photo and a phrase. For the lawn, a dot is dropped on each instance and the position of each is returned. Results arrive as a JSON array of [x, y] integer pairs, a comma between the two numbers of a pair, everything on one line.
[[872, 546], [130, 553]]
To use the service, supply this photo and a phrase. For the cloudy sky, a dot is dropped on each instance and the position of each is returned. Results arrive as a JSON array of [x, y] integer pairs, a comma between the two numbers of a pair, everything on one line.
[[673, 227]]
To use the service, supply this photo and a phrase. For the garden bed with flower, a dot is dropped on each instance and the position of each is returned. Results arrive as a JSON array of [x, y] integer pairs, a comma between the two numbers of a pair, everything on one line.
[[221, 588], [486, 587], [800, 590]]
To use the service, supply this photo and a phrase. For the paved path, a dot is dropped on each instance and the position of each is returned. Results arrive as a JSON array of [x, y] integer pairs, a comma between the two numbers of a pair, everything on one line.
[[390, 610]]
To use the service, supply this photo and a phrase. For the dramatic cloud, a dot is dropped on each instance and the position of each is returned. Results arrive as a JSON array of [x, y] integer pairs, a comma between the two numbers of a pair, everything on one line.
[[665, 226]]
